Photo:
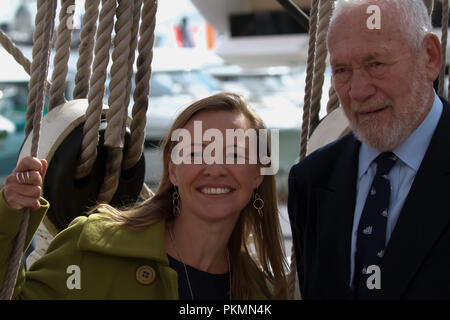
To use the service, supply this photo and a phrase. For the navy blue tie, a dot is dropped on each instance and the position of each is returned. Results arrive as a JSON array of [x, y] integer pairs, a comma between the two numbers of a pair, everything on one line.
[[371, 236]]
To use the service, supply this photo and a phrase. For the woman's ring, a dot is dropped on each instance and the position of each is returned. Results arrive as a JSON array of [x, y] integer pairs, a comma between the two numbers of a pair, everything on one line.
[[18, 179], [21, 178]]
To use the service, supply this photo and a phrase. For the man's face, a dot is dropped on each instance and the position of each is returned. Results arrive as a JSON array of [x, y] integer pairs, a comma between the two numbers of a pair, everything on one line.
[[380, 79]]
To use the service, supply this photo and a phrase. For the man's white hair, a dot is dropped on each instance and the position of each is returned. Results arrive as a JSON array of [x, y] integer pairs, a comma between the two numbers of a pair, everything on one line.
[[414, 19]]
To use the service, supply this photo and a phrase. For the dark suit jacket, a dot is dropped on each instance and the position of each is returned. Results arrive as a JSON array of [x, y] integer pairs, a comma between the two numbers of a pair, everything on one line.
[[321, 205]]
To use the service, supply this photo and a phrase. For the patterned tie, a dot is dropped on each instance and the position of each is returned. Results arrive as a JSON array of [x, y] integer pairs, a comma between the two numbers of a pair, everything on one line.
[[371, 236]]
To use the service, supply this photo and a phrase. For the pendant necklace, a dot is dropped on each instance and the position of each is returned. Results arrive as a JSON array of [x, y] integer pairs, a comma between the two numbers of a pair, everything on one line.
[[184, 265]]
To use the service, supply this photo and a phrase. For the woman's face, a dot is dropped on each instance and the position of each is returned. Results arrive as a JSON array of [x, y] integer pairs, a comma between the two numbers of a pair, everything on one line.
[[217, 191]]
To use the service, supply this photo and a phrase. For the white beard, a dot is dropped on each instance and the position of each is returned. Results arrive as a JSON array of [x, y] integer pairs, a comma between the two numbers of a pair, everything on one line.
[[386, 136]]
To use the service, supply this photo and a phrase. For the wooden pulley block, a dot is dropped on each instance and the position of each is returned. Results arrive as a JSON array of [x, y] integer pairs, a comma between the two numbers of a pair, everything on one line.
[[333, 126], [60, 143]]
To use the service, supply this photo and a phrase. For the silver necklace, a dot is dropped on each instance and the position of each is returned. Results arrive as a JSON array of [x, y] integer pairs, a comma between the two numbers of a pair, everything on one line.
[[184, 265]]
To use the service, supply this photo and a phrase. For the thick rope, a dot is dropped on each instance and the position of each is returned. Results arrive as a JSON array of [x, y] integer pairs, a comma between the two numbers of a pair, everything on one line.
[[320, 18], [43, 72], [97, 90], [113, 166], [45, 37], [116, 117], [445, 12], [85, 51], [325, 11], [137, 6], [142, 80], [62, 54], [37, 52], [314, 14], [333, 100], [309, 76], [17, 54]]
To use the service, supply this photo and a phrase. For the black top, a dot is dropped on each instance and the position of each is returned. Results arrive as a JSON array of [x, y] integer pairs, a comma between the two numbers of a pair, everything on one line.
[[205, 285]]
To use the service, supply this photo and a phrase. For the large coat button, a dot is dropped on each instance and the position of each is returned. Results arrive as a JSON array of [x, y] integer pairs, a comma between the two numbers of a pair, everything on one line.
[[145, 275]]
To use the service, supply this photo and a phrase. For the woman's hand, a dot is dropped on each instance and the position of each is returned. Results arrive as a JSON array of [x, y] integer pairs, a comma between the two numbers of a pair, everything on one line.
[[24, 185]]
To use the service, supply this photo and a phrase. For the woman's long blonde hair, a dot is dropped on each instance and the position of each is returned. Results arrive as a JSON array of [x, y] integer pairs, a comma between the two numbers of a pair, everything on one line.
[[256, 272]]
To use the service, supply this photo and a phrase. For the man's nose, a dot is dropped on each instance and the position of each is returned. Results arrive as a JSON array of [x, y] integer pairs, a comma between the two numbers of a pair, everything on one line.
[[361, 86]]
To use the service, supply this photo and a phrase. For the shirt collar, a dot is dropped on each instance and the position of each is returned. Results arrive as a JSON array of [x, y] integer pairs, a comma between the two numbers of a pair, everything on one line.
[[413, 149]]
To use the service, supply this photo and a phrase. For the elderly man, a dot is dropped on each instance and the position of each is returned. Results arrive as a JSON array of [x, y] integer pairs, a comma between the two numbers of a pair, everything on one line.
[[369, 212]]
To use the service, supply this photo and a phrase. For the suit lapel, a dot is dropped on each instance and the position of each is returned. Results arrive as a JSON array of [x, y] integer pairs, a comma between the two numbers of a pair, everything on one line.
[[335, 207], [423, 217]]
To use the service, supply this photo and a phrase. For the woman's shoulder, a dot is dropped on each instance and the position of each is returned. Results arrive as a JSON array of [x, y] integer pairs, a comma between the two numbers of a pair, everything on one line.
[[94, 220], [98, 248], [99, 233]]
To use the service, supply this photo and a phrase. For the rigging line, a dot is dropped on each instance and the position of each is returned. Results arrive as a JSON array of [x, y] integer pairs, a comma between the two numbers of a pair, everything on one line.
[[296, 12]]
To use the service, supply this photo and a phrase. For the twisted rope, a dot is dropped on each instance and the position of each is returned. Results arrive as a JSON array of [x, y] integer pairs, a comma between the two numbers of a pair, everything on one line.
[[116, 117], [63, 41], [309, 76], [97, 90], [317, 52], [142, 81], [134, 41], [113, 165], [40, 67], [333, 100], [314, 13], [85, 51], [320, 61], [445, 12], [17, 54], [34, 69], [133, 44]]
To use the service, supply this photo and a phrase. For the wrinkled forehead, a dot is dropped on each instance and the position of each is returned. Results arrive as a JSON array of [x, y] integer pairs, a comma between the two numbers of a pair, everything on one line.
[[373, 19], [349, 33]]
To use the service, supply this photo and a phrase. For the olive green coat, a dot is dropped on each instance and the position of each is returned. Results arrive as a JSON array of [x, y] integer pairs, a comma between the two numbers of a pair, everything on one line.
[[109, 260]]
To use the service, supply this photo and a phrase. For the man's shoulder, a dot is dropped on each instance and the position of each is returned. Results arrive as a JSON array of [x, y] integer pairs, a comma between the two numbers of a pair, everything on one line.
[[324, 158], [444, 102], [445, 119]]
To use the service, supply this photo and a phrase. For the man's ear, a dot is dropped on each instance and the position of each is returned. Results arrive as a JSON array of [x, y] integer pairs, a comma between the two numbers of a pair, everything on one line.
[[433, 51], [172, 173]]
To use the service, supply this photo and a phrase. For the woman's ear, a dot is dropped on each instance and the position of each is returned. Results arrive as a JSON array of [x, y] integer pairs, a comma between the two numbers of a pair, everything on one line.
[[258, 180], [172, 173]]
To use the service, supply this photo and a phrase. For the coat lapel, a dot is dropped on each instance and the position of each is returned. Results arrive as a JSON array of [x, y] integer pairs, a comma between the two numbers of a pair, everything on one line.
[[335, 207], [423, 217]]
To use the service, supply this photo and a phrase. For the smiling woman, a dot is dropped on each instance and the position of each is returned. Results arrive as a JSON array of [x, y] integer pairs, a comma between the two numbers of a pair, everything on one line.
[[210, 211], [211, 231], [215, 191]]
